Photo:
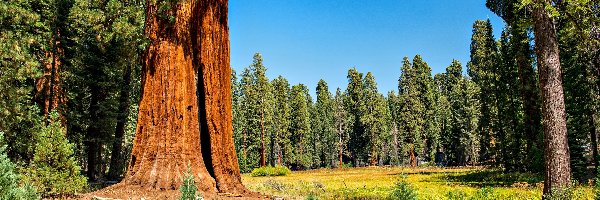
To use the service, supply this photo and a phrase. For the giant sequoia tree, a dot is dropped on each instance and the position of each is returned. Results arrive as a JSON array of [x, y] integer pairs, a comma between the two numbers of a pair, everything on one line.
[[185, 116]]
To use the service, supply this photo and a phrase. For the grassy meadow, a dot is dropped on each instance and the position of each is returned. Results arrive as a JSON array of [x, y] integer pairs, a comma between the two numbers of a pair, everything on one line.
[[428, 183]]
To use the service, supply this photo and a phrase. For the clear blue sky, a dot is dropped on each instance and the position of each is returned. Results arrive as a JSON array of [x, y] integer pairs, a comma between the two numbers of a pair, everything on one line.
[[308, 40]]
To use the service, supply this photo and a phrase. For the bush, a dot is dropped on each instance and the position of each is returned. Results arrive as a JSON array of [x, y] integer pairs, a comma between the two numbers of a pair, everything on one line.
[[271, 171], [9, 179], [188, 189], [403, 190], [53, 170]]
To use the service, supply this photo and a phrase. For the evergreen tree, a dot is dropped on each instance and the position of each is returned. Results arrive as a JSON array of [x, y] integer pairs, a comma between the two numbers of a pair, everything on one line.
[[324, 126], [342, 121], [239, 121], [25, 36], [300, 128], [412, 109], [355, 106], [395, 150], [9, 179], [482, 70], [53, 170], [283, 146], [258, 95], [375, 119]]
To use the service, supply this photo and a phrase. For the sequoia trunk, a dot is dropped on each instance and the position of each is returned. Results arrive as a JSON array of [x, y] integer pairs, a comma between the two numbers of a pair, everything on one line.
[[185, 116], [556, 149], [49, 93]]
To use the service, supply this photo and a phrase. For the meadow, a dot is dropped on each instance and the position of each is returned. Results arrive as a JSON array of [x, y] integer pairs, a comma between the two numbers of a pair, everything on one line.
[[427, 182]]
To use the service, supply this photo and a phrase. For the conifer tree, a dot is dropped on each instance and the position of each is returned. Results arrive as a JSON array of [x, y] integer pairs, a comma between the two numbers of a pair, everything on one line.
[[342, 122], [482, 70], [299, 128], [283, 146], [412, 109], [325, 128], [355, 105]]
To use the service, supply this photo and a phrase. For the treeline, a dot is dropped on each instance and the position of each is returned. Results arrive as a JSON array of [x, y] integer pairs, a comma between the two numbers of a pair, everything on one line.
[[489, 114], [69, 89]]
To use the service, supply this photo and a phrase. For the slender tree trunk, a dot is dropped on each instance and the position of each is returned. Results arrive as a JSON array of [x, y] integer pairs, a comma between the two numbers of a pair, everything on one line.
[[116, 159], [556, 148], [185, 116]]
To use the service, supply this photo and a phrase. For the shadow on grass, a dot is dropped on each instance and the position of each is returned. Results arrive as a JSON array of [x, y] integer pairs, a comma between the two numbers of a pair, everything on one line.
[[492, 178]]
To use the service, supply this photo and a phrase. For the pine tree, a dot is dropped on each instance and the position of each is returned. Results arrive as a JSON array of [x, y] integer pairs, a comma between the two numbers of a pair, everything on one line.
[[53, 170], [412, 110], [394, 142], [299, 128], [355, 106], [283, 146], [482, 70], [258, 95], [342, 123], [324, 118], [375, 119]]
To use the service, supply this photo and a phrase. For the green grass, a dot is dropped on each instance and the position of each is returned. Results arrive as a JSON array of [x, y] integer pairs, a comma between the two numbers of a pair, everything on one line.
[[429, 183], [271, 171]]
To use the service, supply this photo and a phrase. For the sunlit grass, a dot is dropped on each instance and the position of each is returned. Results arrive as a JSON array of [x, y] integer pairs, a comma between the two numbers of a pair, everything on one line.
[[429, 182]]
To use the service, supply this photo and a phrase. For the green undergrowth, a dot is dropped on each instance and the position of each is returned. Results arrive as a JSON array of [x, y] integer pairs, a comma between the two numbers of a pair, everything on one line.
[[406, 183], [271, 171]]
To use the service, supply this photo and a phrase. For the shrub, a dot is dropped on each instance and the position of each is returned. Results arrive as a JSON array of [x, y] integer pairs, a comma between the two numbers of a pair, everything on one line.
[[188, 189], [9, 179], [403, 190], [53, 170], [271, 171]]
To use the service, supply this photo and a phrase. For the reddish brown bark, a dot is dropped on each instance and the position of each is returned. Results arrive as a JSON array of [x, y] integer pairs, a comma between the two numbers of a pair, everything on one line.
[[556, 149], [185, 114], [49, 93], [412, 156]]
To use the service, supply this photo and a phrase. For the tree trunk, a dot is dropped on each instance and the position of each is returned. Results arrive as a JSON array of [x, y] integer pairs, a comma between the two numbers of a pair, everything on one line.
[[556, 149], [49, 93], [412, 156], [116, 159], [185, 116], [91, 136]]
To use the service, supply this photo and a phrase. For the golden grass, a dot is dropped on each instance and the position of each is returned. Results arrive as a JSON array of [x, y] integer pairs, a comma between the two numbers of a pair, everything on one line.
[[429, 182]]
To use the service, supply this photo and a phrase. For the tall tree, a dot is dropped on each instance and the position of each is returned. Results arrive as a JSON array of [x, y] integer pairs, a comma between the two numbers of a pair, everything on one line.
[[412, 109], [282, 144], [481, 69], [556, 149], [342, 122], [197, 110], [325, 125], [355, 105], [375, 118], [299, 128]]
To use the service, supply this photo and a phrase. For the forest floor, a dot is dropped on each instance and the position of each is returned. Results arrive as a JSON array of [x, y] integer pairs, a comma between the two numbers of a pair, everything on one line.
[[429, 183]]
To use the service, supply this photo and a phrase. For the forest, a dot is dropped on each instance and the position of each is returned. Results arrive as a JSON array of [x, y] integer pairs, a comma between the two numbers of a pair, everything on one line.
[[100, 98]]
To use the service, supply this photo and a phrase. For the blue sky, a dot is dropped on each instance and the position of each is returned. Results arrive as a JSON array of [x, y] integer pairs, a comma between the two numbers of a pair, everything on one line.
[[309, 40]]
